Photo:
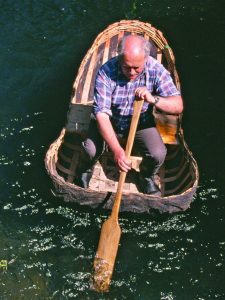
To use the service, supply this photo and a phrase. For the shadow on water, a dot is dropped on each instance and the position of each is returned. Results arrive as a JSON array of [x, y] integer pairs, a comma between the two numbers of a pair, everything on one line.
[[49, 244]]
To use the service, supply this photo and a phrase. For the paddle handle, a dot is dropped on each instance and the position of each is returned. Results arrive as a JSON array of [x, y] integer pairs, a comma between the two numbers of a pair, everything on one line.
[[130, 141]]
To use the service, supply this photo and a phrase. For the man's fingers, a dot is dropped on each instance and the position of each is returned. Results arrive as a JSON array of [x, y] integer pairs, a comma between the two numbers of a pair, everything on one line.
[[124, 165], [122, 162], [141, 92]]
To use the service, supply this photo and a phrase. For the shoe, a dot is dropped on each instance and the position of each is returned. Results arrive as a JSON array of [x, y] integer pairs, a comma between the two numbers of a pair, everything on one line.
[[148, 186]]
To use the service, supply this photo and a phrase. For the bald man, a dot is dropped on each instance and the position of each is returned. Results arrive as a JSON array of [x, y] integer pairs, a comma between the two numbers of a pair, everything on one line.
[[133, 73]]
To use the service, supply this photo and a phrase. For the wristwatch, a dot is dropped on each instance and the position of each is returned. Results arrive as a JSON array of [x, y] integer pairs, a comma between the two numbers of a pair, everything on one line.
[[156, 100]]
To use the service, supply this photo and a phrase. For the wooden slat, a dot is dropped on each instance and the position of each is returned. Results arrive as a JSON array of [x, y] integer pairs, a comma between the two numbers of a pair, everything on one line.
[[190, 184], [64, 157], [146, 36], [175, 177], [88, 79], [63, 169], [173, 170], [120, 36], [159, 55], [113, 46], [172, 191], [78, 84], [95, 71], [106, 51]]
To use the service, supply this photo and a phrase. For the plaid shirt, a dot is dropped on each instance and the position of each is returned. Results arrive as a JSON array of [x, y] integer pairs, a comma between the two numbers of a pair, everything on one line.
[[114, 94]]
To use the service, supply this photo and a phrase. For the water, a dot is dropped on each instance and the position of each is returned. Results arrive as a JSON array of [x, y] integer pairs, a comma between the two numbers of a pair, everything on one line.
[[50, 245]]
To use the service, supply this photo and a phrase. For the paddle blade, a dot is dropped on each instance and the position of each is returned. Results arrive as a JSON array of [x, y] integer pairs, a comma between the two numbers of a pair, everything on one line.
[[106, 255]]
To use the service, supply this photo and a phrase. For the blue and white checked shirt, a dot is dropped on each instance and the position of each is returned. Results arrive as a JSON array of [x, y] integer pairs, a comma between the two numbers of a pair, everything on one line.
[[114, 94]]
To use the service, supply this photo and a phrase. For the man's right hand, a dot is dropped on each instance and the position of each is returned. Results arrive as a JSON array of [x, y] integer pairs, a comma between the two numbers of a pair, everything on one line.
[[122, 162]]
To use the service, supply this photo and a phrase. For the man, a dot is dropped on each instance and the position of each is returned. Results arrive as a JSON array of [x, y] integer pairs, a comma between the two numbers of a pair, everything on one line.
[[132, 74]]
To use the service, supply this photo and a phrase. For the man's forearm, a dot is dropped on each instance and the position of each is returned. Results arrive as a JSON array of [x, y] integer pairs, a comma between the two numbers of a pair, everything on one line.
[[171, 105]]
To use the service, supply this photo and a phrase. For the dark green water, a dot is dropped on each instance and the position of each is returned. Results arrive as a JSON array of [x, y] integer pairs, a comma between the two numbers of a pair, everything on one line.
[[49, 244]]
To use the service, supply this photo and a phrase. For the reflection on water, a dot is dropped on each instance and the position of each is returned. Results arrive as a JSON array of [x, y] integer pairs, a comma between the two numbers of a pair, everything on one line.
[[52, 252], [50, 245]]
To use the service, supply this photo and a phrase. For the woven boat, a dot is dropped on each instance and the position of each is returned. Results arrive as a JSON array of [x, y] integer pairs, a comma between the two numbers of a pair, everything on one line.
[[178, 177]]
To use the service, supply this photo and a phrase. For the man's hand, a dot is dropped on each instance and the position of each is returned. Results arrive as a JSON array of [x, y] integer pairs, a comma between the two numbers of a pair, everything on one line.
[[144, 94], [122, 162]]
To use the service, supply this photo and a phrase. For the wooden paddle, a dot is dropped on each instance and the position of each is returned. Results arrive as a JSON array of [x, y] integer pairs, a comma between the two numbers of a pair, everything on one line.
[[111, 231]]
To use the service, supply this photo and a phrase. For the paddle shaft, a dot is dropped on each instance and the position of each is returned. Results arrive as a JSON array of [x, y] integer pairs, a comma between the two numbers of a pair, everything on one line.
[[111, 231], [130, 141]]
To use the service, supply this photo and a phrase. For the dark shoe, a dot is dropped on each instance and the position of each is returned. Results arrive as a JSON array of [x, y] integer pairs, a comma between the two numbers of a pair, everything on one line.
[[83, 179], [148, 186]]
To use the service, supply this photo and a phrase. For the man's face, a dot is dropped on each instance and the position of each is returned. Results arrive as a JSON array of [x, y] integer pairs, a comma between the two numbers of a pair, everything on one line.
[[132, 66]]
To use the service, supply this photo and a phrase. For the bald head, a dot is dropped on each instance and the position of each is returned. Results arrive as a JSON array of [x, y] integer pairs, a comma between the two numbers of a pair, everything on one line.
[[134, 45], [133, 52]]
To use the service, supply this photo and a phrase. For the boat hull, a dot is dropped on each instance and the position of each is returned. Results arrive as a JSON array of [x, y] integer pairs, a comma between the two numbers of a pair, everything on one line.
[[178, 177]]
